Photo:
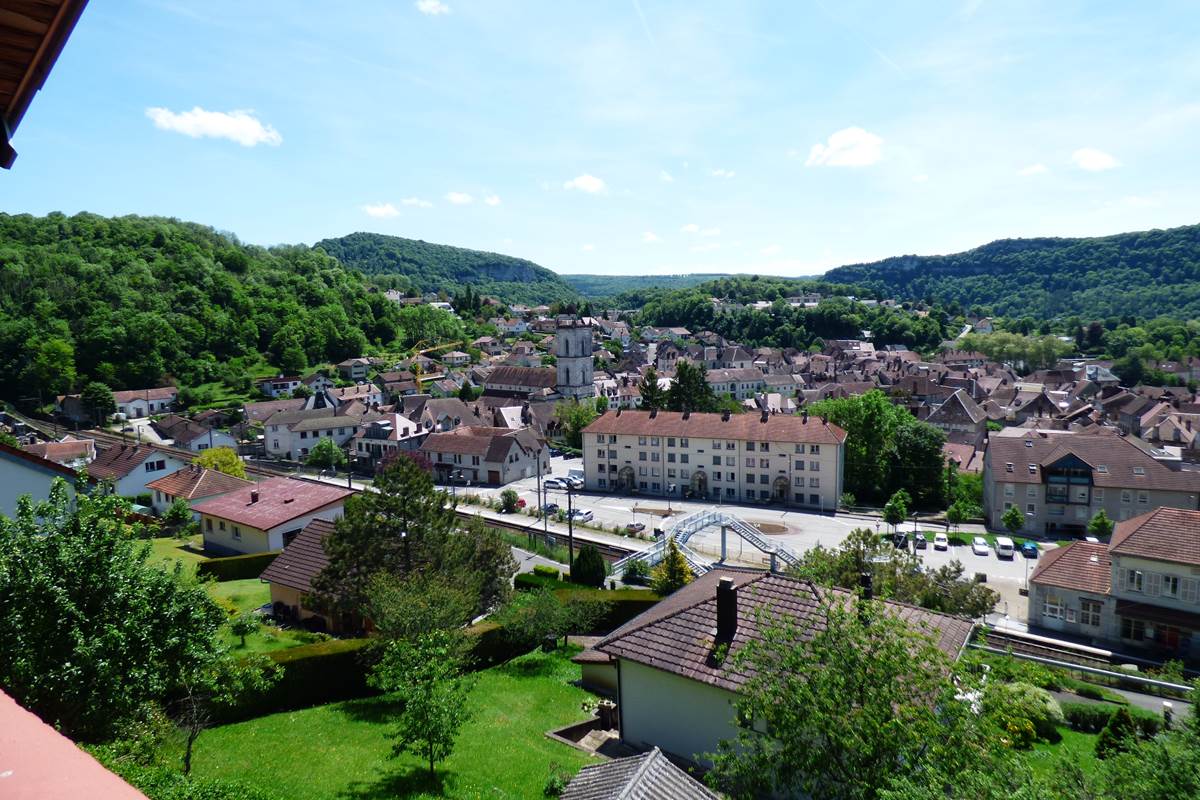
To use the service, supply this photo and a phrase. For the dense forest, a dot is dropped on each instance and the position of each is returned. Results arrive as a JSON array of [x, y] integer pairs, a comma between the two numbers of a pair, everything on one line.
[[1150, 272], [602, 287], [410, 264], [136, 301]]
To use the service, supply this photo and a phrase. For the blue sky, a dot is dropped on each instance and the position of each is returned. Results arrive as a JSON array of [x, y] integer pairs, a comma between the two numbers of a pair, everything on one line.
[[627, 136]]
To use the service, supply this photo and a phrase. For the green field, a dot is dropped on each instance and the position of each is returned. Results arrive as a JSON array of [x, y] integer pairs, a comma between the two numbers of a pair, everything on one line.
[[1078, 748], [239, 597], [168, 549], [342, 750]]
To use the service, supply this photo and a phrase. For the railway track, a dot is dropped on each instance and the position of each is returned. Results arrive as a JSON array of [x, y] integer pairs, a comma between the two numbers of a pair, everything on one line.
[[1059, 651], [608, 551]]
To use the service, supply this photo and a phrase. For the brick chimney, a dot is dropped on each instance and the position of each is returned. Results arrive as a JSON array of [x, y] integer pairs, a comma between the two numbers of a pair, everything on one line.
[[254, 496], [726, 610]]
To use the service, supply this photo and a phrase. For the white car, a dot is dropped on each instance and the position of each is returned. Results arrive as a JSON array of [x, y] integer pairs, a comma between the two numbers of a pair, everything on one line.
[[980, 547], [941, 542], [574, 483], [581, 515], [555, 483]]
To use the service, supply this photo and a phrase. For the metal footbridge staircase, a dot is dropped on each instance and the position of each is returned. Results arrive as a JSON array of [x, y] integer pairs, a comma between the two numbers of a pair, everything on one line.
[[685, 528]]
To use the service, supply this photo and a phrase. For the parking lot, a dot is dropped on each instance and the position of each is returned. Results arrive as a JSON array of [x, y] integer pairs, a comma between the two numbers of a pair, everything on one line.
[[799, 531]]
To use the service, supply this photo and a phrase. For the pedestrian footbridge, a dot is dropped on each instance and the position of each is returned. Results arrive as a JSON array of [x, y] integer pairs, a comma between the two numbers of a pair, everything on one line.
[[685, 528]]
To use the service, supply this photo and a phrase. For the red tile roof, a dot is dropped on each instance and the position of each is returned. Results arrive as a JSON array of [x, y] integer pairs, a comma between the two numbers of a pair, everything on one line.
[[18, 454], [279, 500], [1082, 566], [677, 634], [1165, 534], [192, 482], [747, 427], [62, 452], [302, 560], [119, 460], [161, 393]]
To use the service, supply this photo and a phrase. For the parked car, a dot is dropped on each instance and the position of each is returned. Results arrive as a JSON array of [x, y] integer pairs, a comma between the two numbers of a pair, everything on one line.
[[1029, 550], [900, 540], [554, 451], [980, 546], [1005, 548], [635, 527], [941, 542], [550, 508], [581, 515], [574, 483], [555, 483], [919, 541]]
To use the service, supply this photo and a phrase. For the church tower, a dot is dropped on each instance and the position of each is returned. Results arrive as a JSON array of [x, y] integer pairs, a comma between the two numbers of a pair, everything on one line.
[[573, 358]]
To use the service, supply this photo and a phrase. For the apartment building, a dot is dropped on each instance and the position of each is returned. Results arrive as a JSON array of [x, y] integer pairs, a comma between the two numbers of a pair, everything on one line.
[[735, 458], [1060, 480], [1140, 591]]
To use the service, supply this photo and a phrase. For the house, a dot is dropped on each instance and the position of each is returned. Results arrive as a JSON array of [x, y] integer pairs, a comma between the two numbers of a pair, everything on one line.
[[137, 403], [366, 393], [521, 380], [70, 452], [961, 419], [754, 458], [266, 516], [290, 577], [649, 775], [488, 345], [1060, 480], [984, 326], [510, 327], [129, 467], [188, 435], [292, 434], [193, 484], [672, 693], [380, 438], [741, 383], [354, 369], [477, 454], [1141, 591], [456, 358], [24, 473], [279, 386]]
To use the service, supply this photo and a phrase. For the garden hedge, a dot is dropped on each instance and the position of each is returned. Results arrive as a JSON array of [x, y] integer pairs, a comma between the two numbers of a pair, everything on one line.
[[311, 675], [1092, 717], [236, 568]]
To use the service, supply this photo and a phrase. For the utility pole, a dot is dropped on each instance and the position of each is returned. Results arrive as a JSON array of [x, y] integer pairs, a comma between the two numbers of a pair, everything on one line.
[[570, 530]]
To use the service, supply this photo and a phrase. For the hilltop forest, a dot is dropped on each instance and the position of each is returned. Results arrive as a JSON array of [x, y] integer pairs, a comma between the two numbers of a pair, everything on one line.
[[135, 301], [1150, 273]]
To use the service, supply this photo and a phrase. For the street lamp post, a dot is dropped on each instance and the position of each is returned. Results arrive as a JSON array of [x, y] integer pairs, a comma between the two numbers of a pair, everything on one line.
[[670, 491]]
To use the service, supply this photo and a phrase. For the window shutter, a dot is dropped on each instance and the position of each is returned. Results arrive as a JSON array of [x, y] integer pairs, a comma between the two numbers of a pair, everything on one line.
[[1188, 592], [1154, 584]]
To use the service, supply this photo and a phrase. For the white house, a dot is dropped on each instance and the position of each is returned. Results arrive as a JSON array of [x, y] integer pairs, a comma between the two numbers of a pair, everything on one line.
[[23, 473], [137, 403], [267, 515], [131, 466], [193, 484]]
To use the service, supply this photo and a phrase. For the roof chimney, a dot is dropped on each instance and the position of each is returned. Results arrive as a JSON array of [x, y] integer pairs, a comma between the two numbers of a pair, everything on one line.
[[653, 413], [726, 610], [804, 416], [725, 416], [867, 584], [254, 495], [765, 414]]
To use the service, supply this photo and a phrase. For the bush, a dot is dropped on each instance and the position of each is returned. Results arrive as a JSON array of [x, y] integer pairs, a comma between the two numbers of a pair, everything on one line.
[[1093, 717], [1119, 734], [589, 567], [178, 513], [508, 501], [236, 568], [311, 675], [637, 572], [1009, 703], [532, 581], [546, 572]]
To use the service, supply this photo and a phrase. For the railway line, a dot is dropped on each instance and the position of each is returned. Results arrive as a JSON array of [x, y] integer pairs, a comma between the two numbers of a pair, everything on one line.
[[608, 551]]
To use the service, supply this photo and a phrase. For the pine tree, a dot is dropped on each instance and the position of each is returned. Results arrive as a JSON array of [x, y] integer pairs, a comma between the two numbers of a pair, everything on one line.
[[653, 396], [673, 573], [589, 567], [1118, 735]]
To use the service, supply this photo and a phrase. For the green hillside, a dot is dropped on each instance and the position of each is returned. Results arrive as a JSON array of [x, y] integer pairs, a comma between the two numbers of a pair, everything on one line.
[[426, 267], [595, 287], [1148, 273]]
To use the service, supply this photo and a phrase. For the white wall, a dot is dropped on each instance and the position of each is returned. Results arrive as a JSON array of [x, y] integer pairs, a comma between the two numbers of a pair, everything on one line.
[[135, 482], [17, 479], [681, 716]]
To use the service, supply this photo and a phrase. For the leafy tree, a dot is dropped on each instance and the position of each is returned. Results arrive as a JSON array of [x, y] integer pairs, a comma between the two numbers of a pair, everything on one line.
[[842, 704], [1119, 734], [405, 607], [508, 501], [52, 369], [222, 459], [870, 422], [1019, 705], [672, 573], [1100, 525], [243, 625], [326, 454], [589, 567], [653, 396], [533, 617], [97, 398], [955, 515], [917, 463], [425, 675], [573, 416], [1013, 520], [92, 628], [690, 390], [895, 510], [178, 513]]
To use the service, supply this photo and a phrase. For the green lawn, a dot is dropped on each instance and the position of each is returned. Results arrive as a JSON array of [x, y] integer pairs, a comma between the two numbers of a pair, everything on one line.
[[238, 597], [342, 750], [169, 549], [1078, 748]]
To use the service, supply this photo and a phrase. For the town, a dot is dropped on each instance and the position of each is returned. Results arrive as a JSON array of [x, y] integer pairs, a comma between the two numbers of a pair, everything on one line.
[[846, 447]]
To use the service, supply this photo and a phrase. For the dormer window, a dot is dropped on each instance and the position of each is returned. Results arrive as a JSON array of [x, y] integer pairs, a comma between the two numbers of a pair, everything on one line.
[[1102, 469], [1029, 442], [1139, 470], [1033, 469], [1008, 467]]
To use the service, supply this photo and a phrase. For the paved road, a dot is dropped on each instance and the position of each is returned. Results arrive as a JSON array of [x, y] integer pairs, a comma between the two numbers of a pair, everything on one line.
[[526, 561]]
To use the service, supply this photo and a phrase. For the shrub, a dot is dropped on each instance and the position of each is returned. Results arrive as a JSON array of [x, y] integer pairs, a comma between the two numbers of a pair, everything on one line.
[[1093, 717], [178, 513], [589, 567], [236, 568], [531, 581], [1119, 734], [637, 572], [546, 571], [1009, 703], [508, 501]]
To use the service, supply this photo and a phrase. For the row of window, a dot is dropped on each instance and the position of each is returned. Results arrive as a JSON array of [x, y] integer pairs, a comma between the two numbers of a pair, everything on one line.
[[208, 526], [318, 434], [717, 444], [1157, 584], [1058, 494], [1055, 607], [155, 466]]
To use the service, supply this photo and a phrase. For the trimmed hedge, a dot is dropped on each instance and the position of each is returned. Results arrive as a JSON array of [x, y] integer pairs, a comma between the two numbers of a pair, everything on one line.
[[624, 604], [546, 572], [1092, 717], [312, 674], [532, 581], [236, 568]]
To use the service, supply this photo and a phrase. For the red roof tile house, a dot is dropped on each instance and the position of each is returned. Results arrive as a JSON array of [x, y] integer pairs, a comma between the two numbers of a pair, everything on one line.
[[25, 473], [268, 515], [193, 484], [1140, 591], [476, 455], [671, 692], [129, 467], [292, 573]]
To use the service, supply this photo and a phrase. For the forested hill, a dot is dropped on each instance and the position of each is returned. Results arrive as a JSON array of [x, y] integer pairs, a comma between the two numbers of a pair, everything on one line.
[[596, 287], [1148, 273], [134, 301], [438, 267]]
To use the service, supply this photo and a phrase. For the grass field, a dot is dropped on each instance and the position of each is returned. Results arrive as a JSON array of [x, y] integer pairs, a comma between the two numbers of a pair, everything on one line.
[[1078, 748], [342, 750], [167, 549], [241, 596]]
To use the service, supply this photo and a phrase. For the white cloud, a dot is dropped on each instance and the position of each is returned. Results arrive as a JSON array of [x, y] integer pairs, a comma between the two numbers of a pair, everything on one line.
[[722, 173], [381, 210], [705, 248], [492, 200], [650, 237], [586, 183], [416, 202], [432, 8], [238, 126], [665, 176], [922, 178], [692, 227], [771, 250], [459, 198], [1032, 169], [588, 248], [1093, 160], [849, 147]]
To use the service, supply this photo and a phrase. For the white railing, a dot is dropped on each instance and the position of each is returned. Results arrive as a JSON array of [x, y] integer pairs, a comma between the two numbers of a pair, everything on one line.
[[688, 526]]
